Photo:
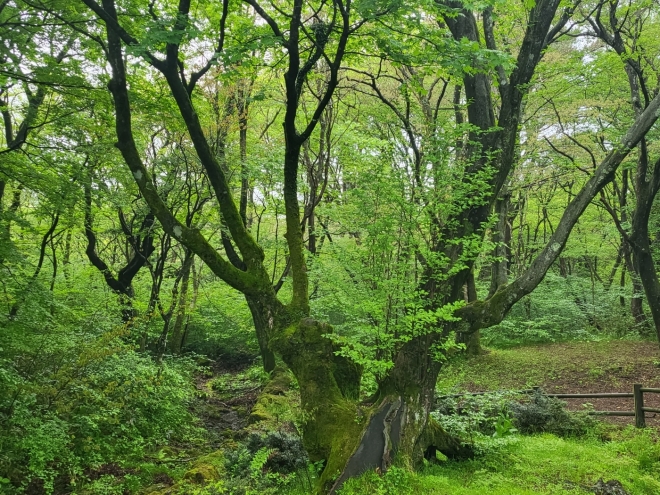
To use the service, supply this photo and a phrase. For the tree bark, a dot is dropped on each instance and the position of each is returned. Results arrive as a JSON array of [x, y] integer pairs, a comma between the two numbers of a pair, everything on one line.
[[502, 238], [636, 300], [647, 187], [263, 327], [182, 309], [350, 436], [472, 341]]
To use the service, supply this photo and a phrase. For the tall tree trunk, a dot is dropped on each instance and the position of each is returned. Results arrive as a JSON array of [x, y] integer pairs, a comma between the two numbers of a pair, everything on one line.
[[648, 275], [242, 96], [472, 341], [196, 281], [501, 237], [647, 187], [636, 300], [176, 342], [622, 38], [47, 237], [263, 324], [5, 223]]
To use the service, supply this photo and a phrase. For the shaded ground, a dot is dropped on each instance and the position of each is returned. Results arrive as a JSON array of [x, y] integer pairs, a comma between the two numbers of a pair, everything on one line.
[[227, 396], [575, 367]]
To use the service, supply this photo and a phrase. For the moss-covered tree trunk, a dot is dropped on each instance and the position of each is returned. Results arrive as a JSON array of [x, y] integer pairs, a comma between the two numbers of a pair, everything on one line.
[[350, 436], [266, 313], [396, 428], [182, 310]]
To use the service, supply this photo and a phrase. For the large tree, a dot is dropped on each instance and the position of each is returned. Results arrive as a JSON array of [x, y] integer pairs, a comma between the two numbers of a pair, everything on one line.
[[310, 41]]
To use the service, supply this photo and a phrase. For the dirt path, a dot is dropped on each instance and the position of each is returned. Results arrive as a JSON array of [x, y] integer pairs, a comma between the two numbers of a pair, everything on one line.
[[226, 397]]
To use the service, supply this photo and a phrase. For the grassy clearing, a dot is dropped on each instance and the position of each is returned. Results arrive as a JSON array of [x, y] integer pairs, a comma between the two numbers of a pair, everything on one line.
[[610, 363], [542, 464]]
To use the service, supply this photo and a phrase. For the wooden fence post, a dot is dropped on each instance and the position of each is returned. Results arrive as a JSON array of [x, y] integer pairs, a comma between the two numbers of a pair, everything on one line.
[[640, 420]]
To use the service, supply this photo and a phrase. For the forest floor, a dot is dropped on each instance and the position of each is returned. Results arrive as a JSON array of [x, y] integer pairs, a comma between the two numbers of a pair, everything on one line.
[[523, 464], [617, 455], [571, 367], [226, 398]]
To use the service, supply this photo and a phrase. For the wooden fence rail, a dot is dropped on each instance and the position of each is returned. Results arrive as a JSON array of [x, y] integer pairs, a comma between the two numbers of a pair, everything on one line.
[[637, 394]]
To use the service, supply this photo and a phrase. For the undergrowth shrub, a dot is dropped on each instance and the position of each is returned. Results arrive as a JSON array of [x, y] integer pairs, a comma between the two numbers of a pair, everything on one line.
[[562, 309], [267, 462], [288, 454], [541, 413], [489, 421], [396, 481], [483, 421], [98, 403]]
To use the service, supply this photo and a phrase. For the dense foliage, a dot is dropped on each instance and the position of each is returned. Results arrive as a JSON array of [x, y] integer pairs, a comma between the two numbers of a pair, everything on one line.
[[353, 190]]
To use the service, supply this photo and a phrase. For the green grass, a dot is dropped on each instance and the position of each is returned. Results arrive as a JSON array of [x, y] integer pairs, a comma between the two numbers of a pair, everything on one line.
[[542, 464], [524, 367]]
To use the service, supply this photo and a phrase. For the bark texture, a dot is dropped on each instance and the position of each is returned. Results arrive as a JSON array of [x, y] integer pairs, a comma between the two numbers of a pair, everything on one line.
[[350, 436]]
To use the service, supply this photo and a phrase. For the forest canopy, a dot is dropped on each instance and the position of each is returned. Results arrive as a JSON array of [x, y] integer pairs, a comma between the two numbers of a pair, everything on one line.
[[352, 191]]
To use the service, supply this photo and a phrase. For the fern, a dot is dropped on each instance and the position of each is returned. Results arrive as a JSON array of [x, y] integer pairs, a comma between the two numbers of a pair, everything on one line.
[[259, 461]]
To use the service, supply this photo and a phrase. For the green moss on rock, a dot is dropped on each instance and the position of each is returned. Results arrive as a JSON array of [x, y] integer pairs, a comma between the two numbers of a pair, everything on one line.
[[275, 399], [206, 469]]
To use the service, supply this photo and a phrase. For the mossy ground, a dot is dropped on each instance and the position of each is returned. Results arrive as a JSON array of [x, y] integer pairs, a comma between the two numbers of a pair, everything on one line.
[[542, 464]]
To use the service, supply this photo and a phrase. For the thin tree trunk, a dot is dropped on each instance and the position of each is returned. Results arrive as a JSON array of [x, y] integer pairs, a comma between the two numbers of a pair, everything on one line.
[[66, 258], [47, 237], [636, 300], [176, 343], [472, 341]]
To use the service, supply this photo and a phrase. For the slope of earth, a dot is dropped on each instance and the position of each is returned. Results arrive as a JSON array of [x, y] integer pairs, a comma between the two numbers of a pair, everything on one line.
[[574, 367]]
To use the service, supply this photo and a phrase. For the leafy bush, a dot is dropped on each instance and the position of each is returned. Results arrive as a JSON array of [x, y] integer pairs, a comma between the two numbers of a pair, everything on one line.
[[286, 454], [546, 414], [483, 421], [463, 416], [103, 404], [489, 421], [267, 462]]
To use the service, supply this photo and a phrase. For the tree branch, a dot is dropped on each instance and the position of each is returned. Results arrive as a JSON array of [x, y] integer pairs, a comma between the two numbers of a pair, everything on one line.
[[482, 314], [190, 237]]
